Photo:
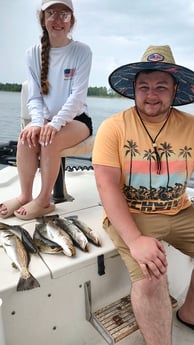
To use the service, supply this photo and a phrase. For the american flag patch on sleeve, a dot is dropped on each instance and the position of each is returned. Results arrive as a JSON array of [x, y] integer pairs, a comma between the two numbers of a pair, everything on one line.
[[69, 73]]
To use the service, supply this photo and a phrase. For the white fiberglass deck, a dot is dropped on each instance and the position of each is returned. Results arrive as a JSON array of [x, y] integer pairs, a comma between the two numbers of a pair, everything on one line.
[[55, 313]]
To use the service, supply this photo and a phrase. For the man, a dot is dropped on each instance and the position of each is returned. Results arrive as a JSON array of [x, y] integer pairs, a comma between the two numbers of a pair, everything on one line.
[[143, 159]]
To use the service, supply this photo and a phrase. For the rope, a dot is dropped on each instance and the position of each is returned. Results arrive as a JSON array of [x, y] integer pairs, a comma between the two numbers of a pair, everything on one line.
[[77, 168]]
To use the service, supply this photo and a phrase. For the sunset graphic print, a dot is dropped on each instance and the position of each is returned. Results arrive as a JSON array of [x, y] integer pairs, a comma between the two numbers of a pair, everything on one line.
[[158, 192]]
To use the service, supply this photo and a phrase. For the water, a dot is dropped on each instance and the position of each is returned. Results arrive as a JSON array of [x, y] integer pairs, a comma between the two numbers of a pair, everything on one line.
[[99, 109], [9, 116]]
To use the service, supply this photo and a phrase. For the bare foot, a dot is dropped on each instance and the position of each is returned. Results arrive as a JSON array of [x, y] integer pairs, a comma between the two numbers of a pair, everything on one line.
[[22, 210], [186, 318], [3, 209], [8, 207]]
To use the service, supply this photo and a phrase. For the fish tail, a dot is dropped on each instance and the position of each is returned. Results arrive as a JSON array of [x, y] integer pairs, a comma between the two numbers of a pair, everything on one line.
[[27, 283], [86, 249]]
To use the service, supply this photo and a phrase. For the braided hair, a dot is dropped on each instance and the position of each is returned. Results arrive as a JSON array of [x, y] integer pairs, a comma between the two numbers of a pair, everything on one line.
[[45, 44]]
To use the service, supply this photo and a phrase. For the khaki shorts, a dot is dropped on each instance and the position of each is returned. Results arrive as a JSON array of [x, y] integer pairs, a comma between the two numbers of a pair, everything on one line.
[[177, 230]]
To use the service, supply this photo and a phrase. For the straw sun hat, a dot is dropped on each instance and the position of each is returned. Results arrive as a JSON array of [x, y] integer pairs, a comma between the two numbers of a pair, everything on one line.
[[155, 58]]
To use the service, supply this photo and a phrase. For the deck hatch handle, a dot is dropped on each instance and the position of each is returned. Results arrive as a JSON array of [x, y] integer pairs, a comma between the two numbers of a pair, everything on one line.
[[101, 266]]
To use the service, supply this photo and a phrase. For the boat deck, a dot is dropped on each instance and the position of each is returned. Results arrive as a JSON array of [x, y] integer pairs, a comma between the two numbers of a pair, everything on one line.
[[58, 311]]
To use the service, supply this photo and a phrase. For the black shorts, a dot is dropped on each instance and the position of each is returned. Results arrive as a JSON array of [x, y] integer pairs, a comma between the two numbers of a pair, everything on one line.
[[85, 119]]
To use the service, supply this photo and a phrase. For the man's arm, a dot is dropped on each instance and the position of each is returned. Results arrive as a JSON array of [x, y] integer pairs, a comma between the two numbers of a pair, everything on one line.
[[147, 251]]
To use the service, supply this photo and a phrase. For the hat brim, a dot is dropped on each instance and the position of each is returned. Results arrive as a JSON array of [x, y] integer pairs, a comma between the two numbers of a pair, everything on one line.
[[122, 79], [50, 3]]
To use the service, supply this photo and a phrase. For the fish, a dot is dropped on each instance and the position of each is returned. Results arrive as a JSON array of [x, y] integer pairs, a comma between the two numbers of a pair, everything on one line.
[[25, 237], [45, 245], [53, 232], [20, 258], [78, 237], [90, 234], [76, 234]]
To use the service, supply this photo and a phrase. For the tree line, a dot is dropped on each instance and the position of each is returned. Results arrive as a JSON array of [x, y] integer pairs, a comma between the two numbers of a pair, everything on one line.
[[95, 91], [10, 87]]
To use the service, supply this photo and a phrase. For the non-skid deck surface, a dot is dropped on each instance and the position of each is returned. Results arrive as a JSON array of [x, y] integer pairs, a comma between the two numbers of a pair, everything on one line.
[[117, 319]]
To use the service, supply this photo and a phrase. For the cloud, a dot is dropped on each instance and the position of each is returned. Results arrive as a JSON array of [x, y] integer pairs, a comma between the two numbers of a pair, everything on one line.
[[118, 32]]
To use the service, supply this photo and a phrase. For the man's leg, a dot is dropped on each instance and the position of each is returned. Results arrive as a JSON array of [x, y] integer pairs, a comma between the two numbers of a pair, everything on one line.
[[153, 310], [186, 312]]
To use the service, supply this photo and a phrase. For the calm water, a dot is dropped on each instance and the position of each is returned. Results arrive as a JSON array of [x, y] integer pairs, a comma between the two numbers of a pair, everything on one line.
[[99, 109]]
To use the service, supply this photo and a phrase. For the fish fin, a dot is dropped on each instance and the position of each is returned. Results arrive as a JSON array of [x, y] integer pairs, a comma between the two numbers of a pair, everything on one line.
[[86, 248], [28, 243], [27, 284], [45, 219], [30, 247], [72, 217]]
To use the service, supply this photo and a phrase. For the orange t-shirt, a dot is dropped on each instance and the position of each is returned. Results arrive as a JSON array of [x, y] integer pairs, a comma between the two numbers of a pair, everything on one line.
[[123, 142]]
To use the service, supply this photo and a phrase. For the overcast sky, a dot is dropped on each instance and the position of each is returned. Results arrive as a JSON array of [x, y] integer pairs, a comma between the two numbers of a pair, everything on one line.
[[118, 33]]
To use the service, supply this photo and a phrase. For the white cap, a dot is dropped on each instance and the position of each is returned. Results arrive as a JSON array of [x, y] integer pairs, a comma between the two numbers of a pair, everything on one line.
[[47, 3]]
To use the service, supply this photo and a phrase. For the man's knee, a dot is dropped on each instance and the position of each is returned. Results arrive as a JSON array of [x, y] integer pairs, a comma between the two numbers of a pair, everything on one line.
[[150, 287]]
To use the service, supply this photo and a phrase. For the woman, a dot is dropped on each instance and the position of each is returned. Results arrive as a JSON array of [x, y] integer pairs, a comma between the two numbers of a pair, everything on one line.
[[58, 73]]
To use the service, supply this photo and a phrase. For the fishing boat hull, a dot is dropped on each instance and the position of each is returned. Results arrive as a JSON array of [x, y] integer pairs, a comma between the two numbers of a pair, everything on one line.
[[73, 289]]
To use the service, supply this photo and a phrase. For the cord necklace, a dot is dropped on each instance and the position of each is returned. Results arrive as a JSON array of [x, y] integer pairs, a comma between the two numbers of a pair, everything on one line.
[[154, 144]]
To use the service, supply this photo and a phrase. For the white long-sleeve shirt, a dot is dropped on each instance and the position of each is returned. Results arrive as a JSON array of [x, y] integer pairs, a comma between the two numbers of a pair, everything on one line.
[[69, 69]]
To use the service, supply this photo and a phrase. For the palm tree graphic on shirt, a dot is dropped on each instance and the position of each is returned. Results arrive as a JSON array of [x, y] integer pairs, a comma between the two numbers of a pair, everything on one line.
[[166, 152]]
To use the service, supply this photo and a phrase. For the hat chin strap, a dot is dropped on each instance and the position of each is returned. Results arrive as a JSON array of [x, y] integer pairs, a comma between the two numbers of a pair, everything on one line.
[[175, 94]]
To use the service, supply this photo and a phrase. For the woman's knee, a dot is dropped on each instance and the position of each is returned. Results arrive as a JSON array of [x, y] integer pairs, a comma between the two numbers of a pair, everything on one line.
[[23, 150]]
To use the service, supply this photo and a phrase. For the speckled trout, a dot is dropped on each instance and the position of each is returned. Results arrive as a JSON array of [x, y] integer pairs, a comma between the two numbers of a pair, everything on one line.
[[43, 244], [78, 237], [53, 232], [90, 233], [16, 251]]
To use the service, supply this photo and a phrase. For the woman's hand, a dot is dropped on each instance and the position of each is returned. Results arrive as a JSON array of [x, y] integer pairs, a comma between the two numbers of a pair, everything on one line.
[[47, 134], [30, 135]]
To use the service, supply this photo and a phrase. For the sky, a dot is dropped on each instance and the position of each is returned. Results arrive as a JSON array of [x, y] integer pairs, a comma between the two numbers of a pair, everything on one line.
[[118, 32]]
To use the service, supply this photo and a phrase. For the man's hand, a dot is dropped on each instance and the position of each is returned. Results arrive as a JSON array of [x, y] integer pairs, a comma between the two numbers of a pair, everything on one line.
[[150, 255]]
